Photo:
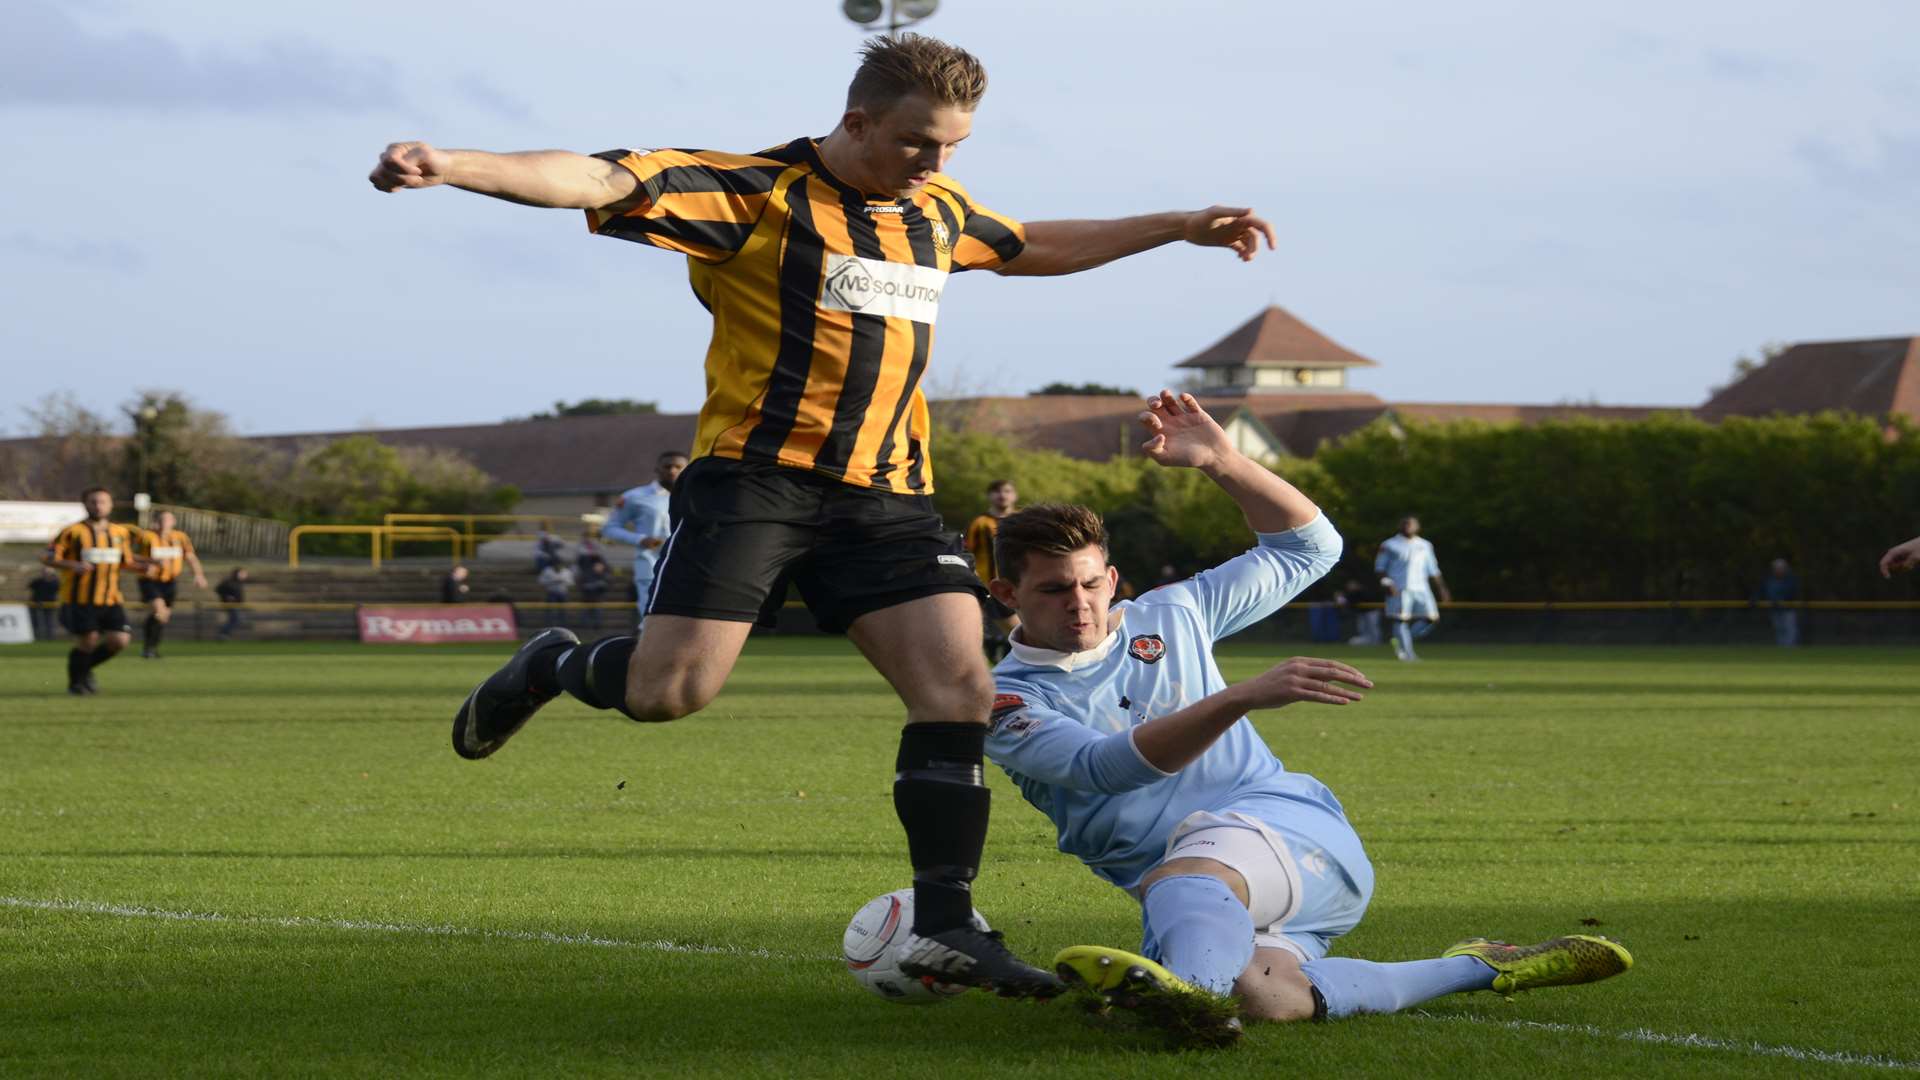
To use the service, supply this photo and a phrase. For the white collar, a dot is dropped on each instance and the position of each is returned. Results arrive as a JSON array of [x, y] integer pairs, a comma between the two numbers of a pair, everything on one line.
[[1034, 656]]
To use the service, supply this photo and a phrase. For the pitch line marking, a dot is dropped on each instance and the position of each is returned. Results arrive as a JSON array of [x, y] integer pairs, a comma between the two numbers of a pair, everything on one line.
[[1639, 1035], [135, 911], [1687, 1041]]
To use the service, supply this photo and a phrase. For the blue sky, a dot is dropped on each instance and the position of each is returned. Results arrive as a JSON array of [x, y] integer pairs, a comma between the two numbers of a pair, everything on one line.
[[1497, 201]]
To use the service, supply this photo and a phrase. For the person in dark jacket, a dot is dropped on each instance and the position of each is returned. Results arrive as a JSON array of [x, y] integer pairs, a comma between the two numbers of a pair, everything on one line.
[[232, 592]]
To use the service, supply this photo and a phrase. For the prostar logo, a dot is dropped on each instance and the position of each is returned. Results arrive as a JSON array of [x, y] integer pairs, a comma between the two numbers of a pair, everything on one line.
[[1147, 648], [878, 287]]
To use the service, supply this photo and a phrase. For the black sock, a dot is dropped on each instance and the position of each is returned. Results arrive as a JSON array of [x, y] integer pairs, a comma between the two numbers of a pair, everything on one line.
[[77, 666], [152, 628], [597, 673], [942, 803], [100, 655]]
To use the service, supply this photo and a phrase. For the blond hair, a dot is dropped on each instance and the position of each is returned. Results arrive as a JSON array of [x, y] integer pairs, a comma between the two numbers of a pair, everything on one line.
[[895, 68], [1049, 528]]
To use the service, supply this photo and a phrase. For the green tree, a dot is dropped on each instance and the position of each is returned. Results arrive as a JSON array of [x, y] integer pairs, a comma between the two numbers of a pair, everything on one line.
[[599, 407], [1091, 389]]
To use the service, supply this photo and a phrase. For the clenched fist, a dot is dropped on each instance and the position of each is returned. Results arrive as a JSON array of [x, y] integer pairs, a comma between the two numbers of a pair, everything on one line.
[[410, 165]]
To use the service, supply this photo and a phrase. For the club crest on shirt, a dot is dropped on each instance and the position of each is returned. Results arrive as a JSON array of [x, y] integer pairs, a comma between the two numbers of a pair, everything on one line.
[[942, 239], [1010, 716], [1147, 648]]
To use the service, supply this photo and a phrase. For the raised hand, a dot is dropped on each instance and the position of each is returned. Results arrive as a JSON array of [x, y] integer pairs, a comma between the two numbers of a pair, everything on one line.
[[1180, 433], [1900, 557], [409, 165], [1305, 678], [1229, 227]]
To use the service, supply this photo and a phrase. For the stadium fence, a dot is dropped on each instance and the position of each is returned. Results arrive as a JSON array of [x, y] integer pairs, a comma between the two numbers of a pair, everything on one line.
[[1297, 627]]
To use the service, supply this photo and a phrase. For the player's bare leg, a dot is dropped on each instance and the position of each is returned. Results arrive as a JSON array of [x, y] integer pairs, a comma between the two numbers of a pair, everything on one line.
[[90, 650], [674, 669], [928, 649], [159, 614]]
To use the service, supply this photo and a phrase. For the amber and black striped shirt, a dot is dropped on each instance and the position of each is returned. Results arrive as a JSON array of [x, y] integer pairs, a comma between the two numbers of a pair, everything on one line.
[[167, 551], [104, 548], [823, 301], [980, 537]]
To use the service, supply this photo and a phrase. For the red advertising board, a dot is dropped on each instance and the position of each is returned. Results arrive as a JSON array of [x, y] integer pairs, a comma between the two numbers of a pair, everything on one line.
[[432, 624]]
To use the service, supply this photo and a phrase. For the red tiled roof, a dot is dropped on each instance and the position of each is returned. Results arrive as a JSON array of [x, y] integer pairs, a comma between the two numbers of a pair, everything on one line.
[[1874, 376], [577, 454], [1275, 338]]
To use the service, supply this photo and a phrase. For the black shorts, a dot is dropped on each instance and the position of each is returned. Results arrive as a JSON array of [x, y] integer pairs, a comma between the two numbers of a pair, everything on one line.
[[995, 611], [82, 619], [151, 590], [742, 531]]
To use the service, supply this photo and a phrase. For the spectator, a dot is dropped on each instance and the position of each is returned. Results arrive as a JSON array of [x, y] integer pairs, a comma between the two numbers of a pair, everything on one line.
[[547, 551], [557, 579], [453, 587], [595, 580], [43, 591], [1780, 589], [232, 592], [587, 551], [1367, 629]]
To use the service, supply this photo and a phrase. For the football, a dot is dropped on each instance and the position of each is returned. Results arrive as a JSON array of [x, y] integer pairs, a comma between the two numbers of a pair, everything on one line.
[[871, 946]]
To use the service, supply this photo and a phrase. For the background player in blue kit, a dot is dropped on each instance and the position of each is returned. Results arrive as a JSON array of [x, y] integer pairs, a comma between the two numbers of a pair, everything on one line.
[[1410, 571], [1118, 725], [640, 518]]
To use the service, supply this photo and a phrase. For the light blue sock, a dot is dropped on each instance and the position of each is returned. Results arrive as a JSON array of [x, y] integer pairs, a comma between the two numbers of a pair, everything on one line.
[[1426, 627], [1204, 931], [1362, 986], [1404, 631]]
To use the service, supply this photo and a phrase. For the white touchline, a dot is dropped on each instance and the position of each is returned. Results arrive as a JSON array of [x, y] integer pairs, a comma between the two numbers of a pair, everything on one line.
[[135, 911], [1700, 1042]]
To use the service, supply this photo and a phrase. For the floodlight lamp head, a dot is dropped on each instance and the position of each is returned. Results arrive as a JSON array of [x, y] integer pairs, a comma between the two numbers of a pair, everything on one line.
[[864, 12], [915, 9]]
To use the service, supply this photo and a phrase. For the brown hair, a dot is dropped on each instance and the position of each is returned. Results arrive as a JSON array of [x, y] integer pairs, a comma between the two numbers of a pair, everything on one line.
[[894, 68], [1049, 528]]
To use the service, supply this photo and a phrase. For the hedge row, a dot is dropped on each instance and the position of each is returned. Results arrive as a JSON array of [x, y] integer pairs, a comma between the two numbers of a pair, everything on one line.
[[1665, 508]]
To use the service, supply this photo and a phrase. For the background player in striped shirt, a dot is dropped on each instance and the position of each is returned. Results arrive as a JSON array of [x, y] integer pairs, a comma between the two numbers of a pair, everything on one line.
[[90, 554], [167, 550], [1002, 496], [823, 262]]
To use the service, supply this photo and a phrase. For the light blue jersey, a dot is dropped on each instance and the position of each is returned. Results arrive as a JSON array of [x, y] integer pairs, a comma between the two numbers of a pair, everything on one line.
[[640, 514], [1063, 723], [1409, 562]]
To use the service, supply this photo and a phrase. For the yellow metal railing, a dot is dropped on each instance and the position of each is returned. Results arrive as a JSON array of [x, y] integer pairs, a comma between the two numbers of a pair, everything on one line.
[[381, 536], [466, 522]]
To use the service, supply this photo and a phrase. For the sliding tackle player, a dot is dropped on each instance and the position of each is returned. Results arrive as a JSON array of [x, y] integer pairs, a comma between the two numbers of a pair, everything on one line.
[[1117, 724]]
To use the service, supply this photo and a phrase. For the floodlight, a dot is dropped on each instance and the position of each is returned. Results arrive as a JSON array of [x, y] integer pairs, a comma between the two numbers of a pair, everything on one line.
[[862, 11], [915, 9]]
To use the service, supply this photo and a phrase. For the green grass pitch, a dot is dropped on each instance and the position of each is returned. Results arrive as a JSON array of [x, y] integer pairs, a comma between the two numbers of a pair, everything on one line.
[[256, 859]]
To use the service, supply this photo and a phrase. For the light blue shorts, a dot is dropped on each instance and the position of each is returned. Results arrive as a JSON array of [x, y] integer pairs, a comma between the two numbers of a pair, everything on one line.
[[1413, 604]]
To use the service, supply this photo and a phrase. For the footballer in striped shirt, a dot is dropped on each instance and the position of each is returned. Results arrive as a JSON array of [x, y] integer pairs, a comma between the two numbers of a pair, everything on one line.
[[824, 262], [168, 550], [90, 554]]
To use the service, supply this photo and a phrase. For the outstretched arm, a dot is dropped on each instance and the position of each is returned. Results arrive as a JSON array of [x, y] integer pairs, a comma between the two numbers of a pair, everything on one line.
[[549, 178], [1183, 435], [1172, 742], [1068, 247]]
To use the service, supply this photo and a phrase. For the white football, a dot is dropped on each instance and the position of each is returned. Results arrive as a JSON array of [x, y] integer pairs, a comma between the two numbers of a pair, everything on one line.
[[871, 949]]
